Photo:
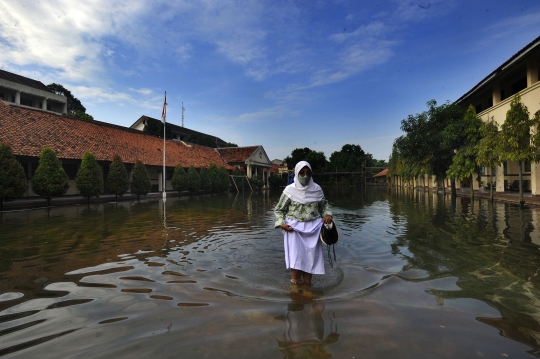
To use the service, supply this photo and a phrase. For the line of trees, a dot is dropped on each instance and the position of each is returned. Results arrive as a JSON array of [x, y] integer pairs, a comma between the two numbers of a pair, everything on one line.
[[50, 179], [450, 142]]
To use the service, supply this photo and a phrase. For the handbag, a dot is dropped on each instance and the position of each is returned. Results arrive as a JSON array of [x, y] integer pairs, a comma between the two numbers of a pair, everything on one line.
[[329, 235]]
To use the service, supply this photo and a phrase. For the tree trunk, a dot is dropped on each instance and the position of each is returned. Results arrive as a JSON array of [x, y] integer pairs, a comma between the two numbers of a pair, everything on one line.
[[453, 190], [490, 187], [472, 186], [48, 201], [521, 200]]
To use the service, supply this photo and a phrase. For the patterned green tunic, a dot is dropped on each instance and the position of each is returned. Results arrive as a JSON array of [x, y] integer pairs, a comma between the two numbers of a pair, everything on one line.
[[286, 208]]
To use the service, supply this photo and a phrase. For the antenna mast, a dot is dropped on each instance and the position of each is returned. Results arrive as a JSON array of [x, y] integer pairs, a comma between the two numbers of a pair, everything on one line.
[[183, 113]]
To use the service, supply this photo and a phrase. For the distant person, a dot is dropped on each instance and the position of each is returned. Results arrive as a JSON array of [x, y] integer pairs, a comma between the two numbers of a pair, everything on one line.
[[300, 213], [291, 179]]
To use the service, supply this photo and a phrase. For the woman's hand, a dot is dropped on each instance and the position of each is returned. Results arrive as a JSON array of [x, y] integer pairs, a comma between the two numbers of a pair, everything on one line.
[[286, 227], [327, 219]]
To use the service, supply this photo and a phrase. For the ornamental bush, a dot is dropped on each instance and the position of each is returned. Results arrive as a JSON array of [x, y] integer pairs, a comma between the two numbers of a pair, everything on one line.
[[140, 182], [117, 179], [50, 179], [179, 179], [224, 179], [12, 177], [213, 171], [206, 182], [194, 180], [89, 177]]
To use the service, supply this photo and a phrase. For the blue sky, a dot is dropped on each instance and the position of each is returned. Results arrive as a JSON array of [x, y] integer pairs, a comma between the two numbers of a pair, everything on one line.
[[282, 74]]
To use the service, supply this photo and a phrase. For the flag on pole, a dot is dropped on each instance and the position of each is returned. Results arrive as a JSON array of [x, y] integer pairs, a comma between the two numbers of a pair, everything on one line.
[[164, 111]]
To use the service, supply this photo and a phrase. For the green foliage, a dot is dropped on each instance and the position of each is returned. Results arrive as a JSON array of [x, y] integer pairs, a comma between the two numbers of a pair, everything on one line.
[[117, 179], [224, 179], [256, 182], [238, 172], [194, 180], [351, 158], [89, 177], [203, 140], [213, 172], [430, 140], [206, 182], [464, 164], [50, 179], [74, 105], [276, 181], [155, 128], [488, 151], [230, 144], [179, 179], [83, 116], [317, 160], [12, 177], [140, 182]]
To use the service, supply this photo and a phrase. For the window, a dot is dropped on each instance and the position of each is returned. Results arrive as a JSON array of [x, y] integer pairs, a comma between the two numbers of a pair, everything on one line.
[[1, 96], [483, 171], [26, 102], [527, 166], [503, 95], [505, 166], [519, 85], [490, 102], [71, 170], [478, 108]]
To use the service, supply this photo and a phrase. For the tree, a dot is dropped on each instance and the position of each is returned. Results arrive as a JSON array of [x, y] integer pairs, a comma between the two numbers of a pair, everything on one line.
[[155, 128], [215, 179], [351, 158], [117, 179], [230, 144], [206, 182], [74, 105], [179, 179], [317, 160], [140, 182], [517, 144], [194, 180], [488, 151], [12, 177], [203, 140], [89, 177], [464, 163], [224, 179], [50, 179]]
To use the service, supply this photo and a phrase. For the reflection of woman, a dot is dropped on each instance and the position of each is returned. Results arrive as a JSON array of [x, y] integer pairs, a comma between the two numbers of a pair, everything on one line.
[[300, 213], [304, 334]]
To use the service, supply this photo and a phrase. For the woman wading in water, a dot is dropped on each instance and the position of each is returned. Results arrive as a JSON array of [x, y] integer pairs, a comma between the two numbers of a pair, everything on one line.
[[300, 213]]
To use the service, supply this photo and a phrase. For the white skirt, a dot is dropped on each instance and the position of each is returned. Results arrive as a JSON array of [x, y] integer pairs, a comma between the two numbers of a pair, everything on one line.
[[303, 249]]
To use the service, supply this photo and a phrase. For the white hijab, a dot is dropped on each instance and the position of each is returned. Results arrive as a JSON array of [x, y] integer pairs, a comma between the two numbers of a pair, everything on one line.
[[303, 194]]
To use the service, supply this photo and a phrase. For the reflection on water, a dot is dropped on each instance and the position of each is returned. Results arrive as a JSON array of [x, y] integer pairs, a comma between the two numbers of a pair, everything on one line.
[[418, 275]]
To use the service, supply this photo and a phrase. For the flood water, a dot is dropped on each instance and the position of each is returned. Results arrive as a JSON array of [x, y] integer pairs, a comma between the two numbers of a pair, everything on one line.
[[417, 276]]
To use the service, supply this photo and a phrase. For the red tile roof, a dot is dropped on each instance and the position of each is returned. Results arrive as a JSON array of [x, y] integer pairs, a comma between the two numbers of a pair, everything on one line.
[[382, 173], [30, 130], [236, 154]]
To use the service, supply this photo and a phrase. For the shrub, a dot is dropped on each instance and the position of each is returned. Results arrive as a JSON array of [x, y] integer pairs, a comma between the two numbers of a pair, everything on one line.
[[256, 182], [12, 177], [179, 179], [140, 183], [276, 181], [117, 179], [213, 171], [194, 180], [206, 182], [50, 179], [89, 177], [224, 179]]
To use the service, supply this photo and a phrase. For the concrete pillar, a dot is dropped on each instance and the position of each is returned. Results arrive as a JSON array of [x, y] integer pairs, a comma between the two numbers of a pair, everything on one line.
[[18, 97], [532, 72], [496, 93], [535, 179], [64, 110], [500, 179], [44, 104]]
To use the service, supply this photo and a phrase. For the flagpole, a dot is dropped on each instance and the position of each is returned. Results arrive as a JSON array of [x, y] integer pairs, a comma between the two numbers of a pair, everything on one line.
[[163, 118]]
